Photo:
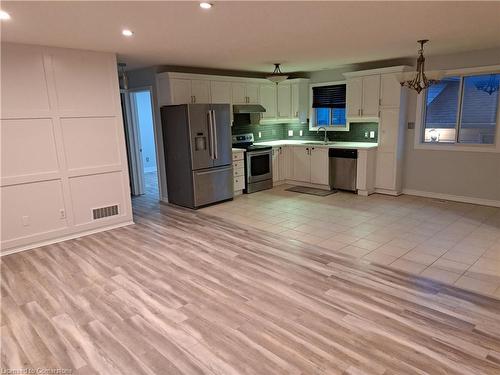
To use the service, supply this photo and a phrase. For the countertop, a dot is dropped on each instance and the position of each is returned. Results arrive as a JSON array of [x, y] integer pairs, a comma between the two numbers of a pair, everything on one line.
[[349, 145], [234, 149]]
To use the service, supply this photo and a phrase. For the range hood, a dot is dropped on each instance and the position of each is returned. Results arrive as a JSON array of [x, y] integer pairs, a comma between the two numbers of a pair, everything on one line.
[[248, 108]]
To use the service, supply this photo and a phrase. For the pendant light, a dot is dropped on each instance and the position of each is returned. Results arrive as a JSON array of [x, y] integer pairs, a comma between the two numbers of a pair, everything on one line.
[[418, 80], [277, 75], [489, 85]]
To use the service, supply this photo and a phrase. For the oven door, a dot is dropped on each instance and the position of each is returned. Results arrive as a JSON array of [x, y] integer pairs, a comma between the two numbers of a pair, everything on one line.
[[259, 166]]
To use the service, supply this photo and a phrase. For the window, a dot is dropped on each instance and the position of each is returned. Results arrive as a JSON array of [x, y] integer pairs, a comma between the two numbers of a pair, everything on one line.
[[462, 109], [329, 106]]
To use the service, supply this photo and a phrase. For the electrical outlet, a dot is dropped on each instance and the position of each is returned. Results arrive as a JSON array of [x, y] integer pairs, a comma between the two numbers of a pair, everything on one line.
[[26, 221], [300, 133], [290, 133], [372, 134], [366, 134], [62, 214], [260, 134]]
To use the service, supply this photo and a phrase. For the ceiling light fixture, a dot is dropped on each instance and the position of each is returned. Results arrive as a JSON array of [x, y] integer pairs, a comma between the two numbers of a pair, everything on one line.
[[277, 75], [4, 15], [419, 80], [127, 32], [205, 5]]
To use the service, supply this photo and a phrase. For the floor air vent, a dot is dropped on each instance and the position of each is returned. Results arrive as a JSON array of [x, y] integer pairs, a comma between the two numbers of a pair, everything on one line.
[[101, 212]]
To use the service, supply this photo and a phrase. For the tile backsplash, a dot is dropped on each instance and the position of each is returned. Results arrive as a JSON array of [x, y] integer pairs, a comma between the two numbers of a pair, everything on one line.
[[273, 132]]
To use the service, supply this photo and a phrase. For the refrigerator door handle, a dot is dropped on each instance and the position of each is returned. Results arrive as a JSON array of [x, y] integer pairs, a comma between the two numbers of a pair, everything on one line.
[[210, 135], [214, 134]]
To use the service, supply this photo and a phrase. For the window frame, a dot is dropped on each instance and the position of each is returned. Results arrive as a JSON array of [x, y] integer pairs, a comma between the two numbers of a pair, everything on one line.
[[312, 111], [419, 135]]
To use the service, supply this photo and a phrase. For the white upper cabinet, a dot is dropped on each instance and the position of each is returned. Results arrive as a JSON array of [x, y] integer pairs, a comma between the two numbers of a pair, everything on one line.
[[220, 92], [390, 91], [268, 100], [284, 101], [363, 94], [200, 90], [245, 93], [181, 91]]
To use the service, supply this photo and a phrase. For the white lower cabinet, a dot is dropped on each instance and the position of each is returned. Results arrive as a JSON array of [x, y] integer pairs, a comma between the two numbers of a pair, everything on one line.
[[310, 164], [281, 164], [385, 177], [238, 171]]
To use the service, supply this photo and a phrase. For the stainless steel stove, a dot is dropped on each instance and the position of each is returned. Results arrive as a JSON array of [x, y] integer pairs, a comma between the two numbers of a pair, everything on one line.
[[258, 163]]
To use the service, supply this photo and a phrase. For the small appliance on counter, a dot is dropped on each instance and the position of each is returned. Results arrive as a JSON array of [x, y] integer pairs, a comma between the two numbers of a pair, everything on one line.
[[258, 163], [198, 156]]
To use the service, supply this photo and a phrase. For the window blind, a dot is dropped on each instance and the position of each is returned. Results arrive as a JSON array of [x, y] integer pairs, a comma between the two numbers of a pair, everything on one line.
[[329, 96]]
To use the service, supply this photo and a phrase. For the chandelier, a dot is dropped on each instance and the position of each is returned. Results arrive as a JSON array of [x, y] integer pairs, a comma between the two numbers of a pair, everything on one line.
[[490, 85], [418, 80], [277, 75]]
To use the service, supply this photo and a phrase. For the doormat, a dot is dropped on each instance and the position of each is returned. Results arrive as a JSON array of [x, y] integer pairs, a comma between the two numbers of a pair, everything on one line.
[[311, 191]]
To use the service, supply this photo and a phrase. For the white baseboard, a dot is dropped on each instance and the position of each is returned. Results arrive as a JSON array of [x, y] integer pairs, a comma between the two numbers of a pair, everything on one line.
[[388, 192], [450, 197], [64, 238]]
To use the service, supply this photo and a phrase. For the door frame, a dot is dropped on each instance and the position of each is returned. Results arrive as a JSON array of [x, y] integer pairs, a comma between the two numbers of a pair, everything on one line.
[[135, 141]]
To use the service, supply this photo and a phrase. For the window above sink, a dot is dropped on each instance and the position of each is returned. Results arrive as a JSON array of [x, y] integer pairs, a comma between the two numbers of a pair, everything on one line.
[[328, 106]]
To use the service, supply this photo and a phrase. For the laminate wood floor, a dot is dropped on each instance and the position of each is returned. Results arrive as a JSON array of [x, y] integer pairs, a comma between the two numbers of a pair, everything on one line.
[[183, 292]]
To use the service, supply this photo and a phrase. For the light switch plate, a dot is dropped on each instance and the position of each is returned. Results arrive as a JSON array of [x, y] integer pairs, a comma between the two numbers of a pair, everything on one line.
[[290, 133], [26, 221], [300, 133], [372, 134], [260, 134]]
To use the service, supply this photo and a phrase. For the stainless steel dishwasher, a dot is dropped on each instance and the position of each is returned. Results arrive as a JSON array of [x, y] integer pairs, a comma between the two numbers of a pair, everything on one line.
[[343, 167]]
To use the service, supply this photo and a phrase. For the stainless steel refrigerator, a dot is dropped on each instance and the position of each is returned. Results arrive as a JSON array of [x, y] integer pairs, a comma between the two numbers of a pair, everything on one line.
[[198, 156]]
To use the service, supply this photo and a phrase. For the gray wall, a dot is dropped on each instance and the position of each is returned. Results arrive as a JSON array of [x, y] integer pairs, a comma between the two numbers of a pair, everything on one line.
[[462, 173], [468, 174]]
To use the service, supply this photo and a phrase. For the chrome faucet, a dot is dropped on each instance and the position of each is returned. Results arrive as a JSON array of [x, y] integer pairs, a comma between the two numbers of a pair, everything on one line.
[[317, 132]]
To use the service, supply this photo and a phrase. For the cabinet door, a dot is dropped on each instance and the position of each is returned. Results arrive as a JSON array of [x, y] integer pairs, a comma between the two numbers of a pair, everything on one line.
[[268, 100], [385, 171], [295, 100], [239, 93], [390, 91], [276, 164], [200, 90], [371, 96], [220, 92], [320, 166], [286, 162], [301, 170], [284, 101], [354, 89], [388, 129], [181, 91], [253, 93]]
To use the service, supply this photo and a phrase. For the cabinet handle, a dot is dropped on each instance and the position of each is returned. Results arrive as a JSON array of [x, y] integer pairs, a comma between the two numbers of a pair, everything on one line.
[[361, 112]]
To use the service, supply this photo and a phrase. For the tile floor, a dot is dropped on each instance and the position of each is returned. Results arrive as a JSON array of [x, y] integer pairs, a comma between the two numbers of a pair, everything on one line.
[[456, 243]]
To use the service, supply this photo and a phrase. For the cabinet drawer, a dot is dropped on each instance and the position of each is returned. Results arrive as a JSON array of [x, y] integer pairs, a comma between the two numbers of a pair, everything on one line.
[[238, 172], [237, 156], [239, 183], [237, 164]]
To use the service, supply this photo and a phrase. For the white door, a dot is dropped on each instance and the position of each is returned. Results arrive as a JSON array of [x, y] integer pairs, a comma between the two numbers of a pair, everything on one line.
[[239, 93], [200, 90], [276, 165], [252, 91], [284, 101], [220, 92], [268, 100], [354, 89], [301, 170], [371, 96], [181, 91], [319, 166]]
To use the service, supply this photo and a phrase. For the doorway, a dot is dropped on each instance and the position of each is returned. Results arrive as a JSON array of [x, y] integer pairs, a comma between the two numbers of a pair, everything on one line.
[[141, 143]]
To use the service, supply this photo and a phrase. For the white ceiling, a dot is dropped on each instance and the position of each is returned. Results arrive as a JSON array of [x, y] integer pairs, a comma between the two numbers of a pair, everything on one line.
[[304, 36]]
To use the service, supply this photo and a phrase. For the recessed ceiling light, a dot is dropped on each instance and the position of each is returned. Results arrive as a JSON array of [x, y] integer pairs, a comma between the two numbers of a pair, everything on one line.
[[4, 15], [127, 32], [205, 5]]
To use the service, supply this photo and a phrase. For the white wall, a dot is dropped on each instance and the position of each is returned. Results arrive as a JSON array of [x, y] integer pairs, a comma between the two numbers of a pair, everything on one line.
[[63, 150], [146, 130]]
